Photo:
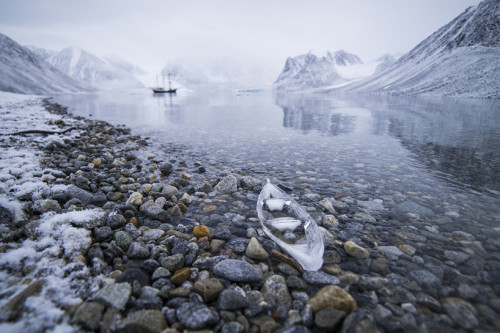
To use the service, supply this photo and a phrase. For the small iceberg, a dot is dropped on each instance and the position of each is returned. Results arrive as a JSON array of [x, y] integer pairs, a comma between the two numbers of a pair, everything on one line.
[[291, 227]]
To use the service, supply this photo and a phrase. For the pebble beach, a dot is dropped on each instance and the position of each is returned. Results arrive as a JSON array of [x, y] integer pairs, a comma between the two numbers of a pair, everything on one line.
[[104, 230]]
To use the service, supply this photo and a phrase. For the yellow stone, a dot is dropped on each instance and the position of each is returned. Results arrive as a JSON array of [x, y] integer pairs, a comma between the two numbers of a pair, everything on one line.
[[334, 297], [201, 231], [355, 250], [97, 161]]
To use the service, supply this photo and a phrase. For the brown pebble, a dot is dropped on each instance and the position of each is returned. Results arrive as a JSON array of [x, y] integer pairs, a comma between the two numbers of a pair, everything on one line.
[[180, 276], [201, 231]]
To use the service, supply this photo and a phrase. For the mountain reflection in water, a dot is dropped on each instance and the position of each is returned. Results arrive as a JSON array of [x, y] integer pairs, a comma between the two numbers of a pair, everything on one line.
[[451, 137]]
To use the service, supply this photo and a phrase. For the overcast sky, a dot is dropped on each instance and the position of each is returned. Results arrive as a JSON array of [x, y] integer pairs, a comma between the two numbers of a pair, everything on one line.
[[150, 33]]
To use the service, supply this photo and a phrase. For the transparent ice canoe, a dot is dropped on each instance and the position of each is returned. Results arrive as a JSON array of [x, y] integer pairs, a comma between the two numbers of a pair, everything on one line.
[[291, 227]]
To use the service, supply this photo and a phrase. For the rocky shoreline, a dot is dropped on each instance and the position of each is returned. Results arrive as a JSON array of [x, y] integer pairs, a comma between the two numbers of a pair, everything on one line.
[[150, 239]]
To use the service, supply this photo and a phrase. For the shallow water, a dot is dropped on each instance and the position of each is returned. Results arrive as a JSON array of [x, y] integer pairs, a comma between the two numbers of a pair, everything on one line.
[[440, 150]]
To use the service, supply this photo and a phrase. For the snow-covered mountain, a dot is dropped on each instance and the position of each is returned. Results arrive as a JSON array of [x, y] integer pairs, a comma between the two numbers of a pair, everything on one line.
[[26, 72], [308, 71], [41, 52], [384, 62], [103, 74], [335, 69], [460, 59], [342, 58]]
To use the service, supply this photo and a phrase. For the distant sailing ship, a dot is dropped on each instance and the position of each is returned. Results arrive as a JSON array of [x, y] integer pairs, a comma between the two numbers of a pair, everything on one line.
[[162, 90]]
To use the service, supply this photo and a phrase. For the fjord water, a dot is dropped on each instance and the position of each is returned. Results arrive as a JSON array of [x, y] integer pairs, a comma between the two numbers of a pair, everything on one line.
[[443, 153]]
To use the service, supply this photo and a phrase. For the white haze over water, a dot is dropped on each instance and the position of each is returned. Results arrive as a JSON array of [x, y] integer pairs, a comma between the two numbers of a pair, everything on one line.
[[152, 33]]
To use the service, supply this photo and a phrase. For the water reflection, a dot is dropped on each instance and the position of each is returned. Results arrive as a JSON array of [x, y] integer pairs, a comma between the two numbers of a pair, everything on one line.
[[450, 136], [308, 113], [454, 138]]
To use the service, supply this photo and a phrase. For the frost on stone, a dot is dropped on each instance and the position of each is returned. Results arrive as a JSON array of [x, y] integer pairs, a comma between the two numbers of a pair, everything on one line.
[[290, 226]]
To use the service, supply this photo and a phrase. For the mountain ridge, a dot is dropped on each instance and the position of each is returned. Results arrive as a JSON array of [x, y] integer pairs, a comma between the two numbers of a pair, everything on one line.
[[460, 59], [26, 72]]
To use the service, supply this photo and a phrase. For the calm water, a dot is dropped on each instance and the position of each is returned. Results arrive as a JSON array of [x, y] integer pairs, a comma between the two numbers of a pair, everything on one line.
[[443, 152]]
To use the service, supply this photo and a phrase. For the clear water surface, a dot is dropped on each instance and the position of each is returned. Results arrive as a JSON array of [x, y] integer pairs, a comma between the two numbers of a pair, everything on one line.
[[443, 152]]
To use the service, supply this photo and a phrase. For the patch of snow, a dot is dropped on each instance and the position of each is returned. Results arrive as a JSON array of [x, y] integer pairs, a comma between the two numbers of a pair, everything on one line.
[[52, 253]]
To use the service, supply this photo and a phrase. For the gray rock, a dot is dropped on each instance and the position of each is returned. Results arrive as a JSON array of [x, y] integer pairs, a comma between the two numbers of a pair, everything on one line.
[[413, 208], [89, 315], [426, 279], [82, 182], [134, 274], [196, 316], [457, 257], [160, 273], [169, 190], [287, 269], [6, 216], [238, 271], [374, 282], [320, 278], [232, 299], [173, 263], [114, 295], [390, 252], [138, 250], [222, 232], [153, 234], [370, 205], [250, 182], [132, 230], [295, 282], [103, 233], [144, 321], [155, 212], [228, 184], [208, 262], [233, 327], [359, 321], [328, 318], [166, 169], [46, 205], [462, 312], [294, 329], [462, 235], [149, 299], [123, 239], [115, 220], [15, 305], [238, 245], [275, 292], [429, 302]]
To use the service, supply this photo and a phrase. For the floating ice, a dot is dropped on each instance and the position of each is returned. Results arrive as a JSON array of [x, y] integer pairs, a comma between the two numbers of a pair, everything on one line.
[[275, 204], [284, 223], [291, 227]]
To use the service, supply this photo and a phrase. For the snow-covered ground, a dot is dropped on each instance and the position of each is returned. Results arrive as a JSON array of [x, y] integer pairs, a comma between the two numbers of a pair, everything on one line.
[[42, 275]]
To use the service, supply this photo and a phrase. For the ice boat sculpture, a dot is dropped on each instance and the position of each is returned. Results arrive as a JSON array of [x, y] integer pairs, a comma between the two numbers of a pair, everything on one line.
[[291, 227]]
